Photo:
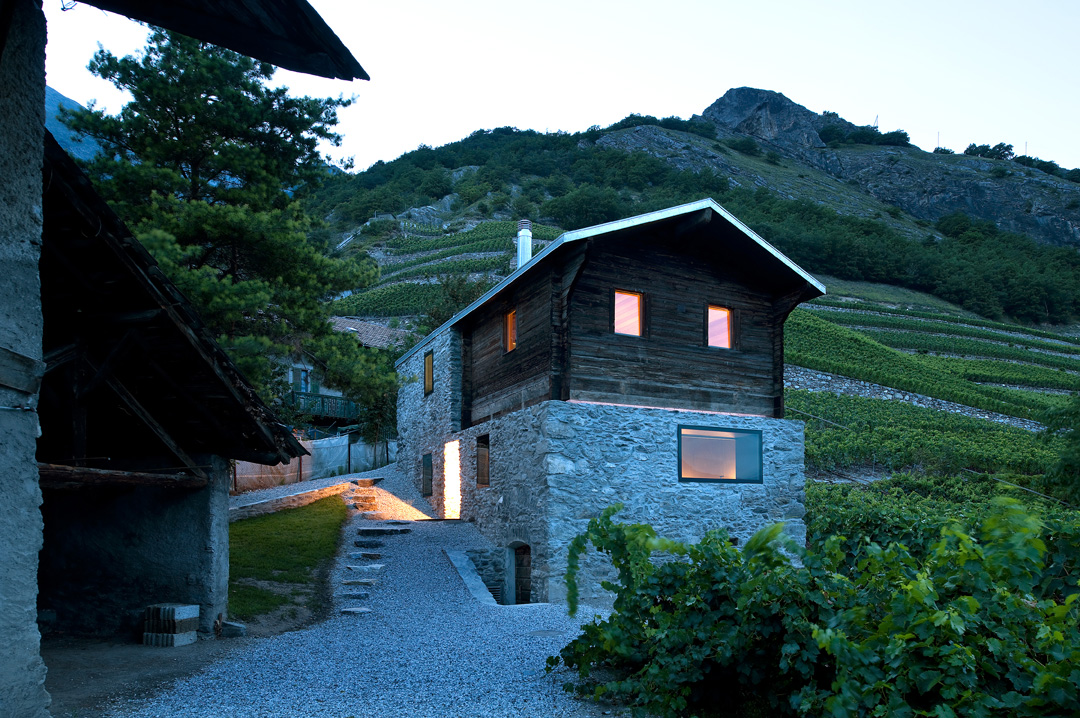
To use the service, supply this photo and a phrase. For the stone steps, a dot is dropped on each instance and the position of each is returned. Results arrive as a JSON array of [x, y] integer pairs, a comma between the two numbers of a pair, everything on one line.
[[370, 537]]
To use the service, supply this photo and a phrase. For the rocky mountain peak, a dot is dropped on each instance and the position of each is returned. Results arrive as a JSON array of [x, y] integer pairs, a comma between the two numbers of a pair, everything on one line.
[[769, 116]]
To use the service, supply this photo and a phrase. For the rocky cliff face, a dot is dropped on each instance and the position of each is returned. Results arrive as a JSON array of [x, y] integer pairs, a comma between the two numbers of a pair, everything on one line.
[[925, 185]]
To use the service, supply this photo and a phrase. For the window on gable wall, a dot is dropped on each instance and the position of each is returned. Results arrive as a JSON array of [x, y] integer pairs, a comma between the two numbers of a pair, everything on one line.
[[627, 313], [718, 327], [429, 373], [425, 478], [510, 330], [483, 453]]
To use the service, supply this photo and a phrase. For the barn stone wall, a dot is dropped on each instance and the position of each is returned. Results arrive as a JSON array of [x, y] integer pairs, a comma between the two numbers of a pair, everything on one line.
[[22, 107]]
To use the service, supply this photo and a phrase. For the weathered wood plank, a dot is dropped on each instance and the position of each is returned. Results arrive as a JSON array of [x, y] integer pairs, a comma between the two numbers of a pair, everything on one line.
[[56, 476]]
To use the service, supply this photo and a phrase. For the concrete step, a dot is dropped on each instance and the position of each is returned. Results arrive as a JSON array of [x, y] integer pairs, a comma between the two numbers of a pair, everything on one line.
[[367, 483], [355, 595], [382, 531], [368, 544], [355, 611], [360, 582], [369, 555], [366, 568], [373, 515]]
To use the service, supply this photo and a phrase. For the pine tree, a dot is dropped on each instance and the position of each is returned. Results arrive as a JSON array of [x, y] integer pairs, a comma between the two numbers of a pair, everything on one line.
[[206, 164]]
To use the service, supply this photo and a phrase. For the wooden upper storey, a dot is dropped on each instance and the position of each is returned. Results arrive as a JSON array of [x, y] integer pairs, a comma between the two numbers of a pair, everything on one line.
[[549, 332]]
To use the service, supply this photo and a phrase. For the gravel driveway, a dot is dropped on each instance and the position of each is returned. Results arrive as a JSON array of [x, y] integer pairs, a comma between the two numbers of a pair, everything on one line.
[[427, 648]]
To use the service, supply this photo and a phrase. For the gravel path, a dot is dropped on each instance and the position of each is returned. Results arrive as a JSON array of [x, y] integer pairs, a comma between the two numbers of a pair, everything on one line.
[[427, 648]]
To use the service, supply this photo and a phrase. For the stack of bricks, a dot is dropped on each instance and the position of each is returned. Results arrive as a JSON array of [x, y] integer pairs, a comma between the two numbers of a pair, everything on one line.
[[170, 624]]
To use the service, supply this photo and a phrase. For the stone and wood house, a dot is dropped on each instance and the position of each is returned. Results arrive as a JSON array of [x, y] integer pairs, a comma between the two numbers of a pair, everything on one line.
[[636, 362]]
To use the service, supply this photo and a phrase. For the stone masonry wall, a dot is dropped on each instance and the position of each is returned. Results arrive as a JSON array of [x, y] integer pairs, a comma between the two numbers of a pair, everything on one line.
[[597, 455], [425, 422], [109, 553], [555, 466], [512, 509], [22, 107]]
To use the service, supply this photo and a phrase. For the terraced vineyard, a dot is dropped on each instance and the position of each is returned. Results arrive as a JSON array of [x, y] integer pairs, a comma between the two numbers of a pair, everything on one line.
[[413, 258]]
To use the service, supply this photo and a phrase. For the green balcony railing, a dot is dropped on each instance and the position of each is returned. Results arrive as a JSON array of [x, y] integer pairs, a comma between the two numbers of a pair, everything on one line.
[[336, 407]]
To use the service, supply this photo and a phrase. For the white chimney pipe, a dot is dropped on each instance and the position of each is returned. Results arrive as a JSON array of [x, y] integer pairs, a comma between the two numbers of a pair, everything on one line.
[[524, 242]]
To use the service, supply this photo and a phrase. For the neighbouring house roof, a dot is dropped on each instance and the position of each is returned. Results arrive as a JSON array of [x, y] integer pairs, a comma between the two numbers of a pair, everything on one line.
[[728, 234], [371, 334], [123, 345], [286, 33]]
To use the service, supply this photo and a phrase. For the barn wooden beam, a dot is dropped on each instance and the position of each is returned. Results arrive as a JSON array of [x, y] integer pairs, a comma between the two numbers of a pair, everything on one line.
[[20, 372], [57, 476], [132, 403], [59, 356]]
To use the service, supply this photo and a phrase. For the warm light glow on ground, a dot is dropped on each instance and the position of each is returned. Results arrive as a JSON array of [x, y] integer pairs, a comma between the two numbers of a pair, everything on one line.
[[394, 508], [452, 480]]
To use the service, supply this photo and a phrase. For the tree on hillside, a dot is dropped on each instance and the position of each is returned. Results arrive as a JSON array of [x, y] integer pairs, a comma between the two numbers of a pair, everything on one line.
[[204, 165]]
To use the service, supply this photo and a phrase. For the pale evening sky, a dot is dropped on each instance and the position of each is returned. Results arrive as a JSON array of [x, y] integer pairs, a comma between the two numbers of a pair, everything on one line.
[[973, 71]]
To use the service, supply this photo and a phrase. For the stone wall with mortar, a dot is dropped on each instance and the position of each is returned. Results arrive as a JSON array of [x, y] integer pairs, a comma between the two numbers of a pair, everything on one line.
[[110, 552], [597, 455], [555, 466], [22, 106], [425, 422]]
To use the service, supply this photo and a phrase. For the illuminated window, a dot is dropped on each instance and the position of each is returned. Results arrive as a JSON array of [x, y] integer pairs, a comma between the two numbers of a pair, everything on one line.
[[483, 450], [723, 455], [510, 331], [429, 373], [425, 485], [627, 313], [718, 327]]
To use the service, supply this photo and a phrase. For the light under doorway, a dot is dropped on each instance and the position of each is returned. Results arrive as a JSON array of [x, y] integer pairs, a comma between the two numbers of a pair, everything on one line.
[[452, 480]]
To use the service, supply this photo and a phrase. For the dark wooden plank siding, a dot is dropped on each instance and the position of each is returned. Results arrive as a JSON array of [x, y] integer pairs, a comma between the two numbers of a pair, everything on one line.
[[670, 366], [501, 381]]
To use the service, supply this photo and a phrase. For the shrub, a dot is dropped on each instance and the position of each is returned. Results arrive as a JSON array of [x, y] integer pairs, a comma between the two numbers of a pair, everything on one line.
[[745, 145], [943, 151], [960, 631]]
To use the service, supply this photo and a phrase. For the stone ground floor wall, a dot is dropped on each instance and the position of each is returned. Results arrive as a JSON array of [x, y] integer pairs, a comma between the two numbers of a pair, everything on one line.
[[110, 552], [555, 466], [597, 455], [511, 509]]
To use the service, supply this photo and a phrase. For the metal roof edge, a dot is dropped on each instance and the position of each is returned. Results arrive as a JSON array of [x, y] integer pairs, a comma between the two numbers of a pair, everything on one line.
[[607, 228]]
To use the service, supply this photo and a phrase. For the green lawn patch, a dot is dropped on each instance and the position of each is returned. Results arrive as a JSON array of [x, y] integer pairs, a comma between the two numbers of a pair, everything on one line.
[[275, 559]]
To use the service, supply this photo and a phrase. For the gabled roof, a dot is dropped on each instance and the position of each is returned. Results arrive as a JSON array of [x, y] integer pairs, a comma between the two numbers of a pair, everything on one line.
[[370, 334], [109, 310], [286, 33], [705, 209]]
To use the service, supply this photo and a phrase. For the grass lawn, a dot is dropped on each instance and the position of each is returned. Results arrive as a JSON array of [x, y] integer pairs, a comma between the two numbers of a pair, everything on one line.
[[275, 561]]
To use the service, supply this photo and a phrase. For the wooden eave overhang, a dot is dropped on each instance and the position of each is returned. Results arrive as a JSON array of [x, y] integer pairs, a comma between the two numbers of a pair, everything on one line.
[[286, 33], [705, 218], [120, 339]]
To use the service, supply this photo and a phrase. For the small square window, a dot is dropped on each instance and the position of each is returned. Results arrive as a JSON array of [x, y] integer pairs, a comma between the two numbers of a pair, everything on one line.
[[425, 485], [721, 455], [429, 373], [718, 327], [510, 331], [483, 449], [627, 313]]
